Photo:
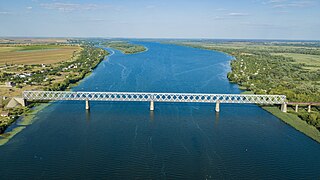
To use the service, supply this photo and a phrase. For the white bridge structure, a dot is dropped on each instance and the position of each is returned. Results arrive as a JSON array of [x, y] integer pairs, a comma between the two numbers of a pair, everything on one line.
[[155, 97]]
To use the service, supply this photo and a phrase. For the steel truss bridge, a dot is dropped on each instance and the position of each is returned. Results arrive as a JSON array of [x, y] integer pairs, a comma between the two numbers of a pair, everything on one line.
[[153, 97]]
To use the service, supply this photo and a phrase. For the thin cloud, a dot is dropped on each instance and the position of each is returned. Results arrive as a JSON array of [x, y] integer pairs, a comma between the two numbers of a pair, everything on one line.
[[221, 9], [235, 14], [4, 13], [265, 25], [67, 7], [97, 20], [218, 18], [274, 1], [289, 4]]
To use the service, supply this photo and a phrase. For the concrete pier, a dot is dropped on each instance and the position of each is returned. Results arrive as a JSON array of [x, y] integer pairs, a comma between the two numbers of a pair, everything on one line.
[[284, 107], [151, 106], [87, 104], [309, 108], [218, 106], [297, 106]]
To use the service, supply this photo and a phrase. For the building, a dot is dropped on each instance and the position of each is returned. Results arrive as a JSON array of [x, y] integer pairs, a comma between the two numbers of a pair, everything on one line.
[[10, 84], [5, 113]]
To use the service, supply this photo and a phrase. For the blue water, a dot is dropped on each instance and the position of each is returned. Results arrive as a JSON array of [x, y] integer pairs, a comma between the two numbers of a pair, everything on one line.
[[122, 140]]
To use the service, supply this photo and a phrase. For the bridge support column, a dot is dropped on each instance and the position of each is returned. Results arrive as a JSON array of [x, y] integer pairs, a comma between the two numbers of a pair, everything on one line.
[[309, 108], [218, 106], [151, 106], [87, 104], [297, 107], [22, 101], [284, 107]]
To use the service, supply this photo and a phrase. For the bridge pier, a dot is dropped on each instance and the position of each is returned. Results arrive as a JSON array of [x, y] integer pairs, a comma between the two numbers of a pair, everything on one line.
[[151, 106], [218, 106], [309, 108], [284, 107], [87, 104], [297, 106]]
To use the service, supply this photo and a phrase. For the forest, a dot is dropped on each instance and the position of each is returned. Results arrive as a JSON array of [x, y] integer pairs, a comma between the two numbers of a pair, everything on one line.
[[125, 47]]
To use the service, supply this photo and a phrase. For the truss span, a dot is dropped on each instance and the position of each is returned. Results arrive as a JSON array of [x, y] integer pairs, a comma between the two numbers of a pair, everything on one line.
[[155, 97]]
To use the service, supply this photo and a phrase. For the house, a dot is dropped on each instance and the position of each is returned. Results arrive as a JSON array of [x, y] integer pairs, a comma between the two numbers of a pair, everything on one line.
[[5, 113], [10, 84], [14, 102]]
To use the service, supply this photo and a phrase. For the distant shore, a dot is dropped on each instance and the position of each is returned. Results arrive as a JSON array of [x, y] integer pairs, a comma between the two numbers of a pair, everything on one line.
[[126, 47]]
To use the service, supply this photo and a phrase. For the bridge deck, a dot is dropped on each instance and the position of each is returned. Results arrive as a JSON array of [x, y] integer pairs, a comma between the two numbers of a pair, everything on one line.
[[304, 103], [156, 97]]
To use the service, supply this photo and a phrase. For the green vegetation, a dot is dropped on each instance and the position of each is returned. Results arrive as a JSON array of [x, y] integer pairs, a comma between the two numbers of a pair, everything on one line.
[[53, 77], [125, 47], [28, 118], [7, 136], [38, 47], [88, 59], [294, 121], [311, 62], [257, 68]]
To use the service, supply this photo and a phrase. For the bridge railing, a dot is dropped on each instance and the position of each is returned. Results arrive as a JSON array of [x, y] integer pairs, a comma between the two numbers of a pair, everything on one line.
[[156, 97]]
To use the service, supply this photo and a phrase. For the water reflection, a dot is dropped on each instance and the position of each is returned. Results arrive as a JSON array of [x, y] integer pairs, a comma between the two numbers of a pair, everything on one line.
[[216, 122], [87, 115], [151, 116]]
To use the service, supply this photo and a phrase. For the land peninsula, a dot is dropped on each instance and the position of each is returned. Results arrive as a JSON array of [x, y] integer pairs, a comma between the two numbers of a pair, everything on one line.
[[125, 47]]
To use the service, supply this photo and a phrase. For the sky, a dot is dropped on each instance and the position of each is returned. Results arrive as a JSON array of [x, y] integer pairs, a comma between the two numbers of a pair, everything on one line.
[[214, 19]]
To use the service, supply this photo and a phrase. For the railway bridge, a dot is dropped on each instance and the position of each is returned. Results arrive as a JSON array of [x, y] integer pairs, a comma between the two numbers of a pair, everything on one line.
[[155, 97]]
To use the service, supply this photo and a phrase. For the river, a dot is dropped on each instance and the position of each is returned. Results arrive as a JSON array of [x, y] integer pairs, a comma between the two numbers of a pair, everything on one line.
[[122, 140]]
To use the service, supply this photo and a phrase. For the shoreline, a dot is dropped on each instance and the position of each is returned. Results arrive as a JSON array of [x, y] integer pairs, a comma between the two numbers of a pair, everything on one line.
[[295, 122], [291, 119], [29, 118], [21, 123]]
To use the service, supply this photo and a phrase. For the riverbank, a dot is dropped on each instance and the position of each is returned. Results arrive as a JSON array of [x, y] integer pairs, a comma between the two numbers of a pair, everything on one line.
[[28, 116], [294, 121], [291, 119], [255, 70], [21, 123]]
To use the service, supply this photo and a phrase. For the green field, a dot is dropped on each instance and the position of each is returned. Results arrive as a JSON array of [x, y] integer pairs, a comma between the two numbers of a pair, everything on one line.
[[125, 47], [311, 62]]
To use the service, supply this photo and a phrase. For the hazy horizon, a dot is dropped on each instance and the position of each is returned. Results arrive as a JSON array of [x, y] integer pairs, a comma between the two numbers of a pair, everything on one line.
[[177, 19], [154, 38]]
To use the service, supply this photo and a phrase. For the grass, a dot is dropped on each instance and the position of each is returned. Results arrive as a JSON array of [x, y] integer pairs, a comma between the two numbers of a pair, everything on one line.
[[7, 136], [247, 92], [125, 47], [311, 62], [36, 54], [29, 118], [294, 121]]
